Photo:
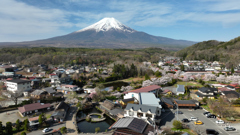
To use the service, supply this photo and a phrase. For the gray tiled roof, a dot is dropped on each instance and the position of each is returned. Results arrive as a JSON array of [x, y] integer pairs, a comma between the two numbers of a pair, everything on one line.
[[37, 92], [208, 90], [167, 100], [143, 108], [49, 90]]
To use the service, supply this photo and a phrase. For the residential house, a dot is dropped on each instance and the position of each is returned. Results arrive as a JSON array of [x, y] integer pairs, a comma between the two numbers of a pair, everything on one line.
[[33, 121], [230, 87], [6, 68], [89, 90], [60, 112], [180, 89], [50, 90], [35, 83], [124, 102], [152, 89], [131, 126], [57, 81], [142, 111], [39, 94], [34, 108], [167, 92], [205, 92], [230, 95], [114, 110], [66, 88], [217, 85], [167, 103]]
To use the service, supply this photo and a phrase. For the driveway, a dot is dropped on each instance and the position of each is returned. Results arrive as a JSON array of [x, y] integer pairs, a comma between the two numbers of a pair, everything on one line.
[[39, 131], [209, 123]]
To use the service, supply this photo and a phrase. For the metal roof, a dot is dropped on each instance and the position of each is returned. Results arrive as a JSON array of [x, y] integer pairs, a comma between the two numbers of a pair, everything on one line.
[[149, 99], [143, 108], [180, 88]]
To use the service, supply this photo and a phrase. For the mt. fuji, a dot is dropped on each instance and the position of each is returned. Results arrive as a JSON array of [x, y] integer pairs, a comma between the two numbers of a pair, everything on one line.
[[107, 33], [107, 24]]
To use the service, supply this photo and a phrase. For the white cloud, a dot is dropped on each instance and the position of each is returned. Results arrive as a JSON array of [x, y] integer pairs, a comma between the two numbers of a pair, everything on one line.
[[17, 18]]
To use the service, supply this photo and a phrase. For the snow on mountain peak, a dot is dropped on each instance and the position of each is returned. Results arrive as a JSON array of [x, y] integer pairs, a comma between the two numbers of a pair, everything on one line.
[[106, 24]]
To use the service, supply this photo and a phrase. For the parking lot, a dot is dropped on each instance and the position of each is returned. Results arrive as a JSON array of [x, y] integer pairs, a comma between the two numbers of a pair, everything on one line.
[[208, 123]]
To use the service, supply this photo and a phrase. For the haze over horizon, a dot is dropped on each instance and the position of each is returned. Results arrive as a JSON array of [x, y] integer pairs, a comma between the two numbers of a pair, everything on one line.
[[195, 20]]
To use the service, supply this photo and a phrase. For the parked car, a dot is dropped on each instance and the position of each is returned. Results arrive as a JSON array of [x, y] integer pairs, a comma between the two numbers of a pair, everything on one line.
[[229, 128], [185, 120], [198, 122], [206, 113], [193, 118], [211, 116], [220, 122], [211, 132], [178, 112], [45, 130]]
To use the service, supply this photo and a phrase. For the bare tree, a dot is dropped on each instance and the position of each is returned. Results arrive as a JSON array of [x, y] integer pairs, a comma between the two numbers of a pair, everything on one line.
[[15, 96]]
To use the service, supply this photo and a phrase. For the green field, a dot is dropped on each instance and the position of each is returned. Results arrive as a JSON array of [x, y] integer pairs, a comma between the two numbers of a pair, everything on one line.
[[189, 84]]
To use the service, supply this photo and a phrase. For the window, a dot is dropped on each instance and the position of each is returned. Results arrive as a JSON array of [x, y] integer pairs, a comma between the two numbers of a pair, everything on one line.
[[132, 95]]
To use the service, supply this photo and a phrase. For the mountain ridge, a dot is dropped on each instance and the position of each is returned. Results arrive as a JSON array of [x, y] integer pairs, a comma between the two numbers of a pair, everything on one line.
[[212, 50], [107, 33]]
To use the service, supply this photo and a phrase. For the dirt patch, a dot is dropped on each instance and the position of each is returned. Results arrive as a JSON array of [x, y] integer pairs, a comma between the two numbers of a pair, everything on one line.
[[24, 73]]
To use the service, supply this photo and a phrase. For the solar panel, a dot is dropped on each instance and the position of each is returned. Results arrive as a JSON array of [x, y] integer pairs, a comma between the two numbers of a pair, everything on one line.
[[137, 125]]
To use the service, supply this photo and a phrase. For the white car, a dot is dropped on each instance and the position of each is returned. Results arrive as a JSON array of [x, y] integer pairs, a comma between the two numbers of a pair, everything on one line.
[[45, 130], [220, 122], [193, 118]]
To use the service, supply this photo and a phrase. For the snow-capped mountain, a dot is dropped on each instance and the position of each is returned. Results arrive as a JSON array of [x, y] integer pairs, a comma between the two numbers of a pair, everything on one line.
[[107, 24], [107, 33]]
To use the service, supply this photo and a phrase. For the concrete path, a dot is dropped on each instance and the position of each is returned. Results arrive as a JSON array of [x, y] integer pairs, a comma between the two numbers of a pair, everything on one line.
[[70, 121]]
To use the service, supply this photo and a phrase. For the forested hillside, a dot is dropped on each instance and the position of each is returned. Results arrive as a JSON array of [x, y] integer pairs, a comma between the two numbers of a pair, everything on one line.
[[55, 56], [228, 52]]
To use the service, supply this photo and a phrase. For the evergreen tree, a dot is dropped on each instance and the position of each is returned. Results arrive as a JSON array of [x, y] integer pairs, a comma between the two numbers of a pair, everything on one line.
[[1, 129], [9, 128], [26, 124], [18, 125], [40, 119], [147, 77]]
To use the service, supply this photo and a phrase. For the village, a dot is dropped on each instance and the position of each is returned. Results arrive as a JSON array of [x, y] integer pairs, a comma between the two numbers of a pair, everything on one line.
[[168, 97]]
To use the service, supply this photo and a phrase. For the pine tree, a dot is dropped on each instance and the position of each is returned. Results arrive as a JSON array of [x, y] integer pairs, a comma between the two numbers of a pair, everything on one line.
[[17, 125]]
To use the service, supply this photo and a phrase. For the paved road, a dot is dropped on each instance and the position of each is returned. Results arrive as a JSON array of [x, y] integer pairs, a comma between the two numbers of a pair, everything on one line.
[[39, 132], [209, 123]]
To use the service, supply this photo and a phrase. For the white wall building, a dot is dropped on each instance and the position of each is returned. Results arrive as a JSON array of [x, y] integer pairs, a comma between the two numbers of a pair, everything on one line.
[[18, 85]]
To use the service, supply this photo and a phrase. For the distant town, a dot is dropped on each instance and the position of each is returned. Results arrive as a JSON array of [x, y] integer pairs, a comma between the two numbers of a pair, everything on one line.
[[169, 96]]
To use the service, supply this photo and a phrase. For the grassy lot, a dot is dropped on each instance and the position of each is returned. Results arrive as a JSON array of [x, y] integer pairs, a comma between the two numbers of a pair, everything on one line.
[[189, 83], [189, 131], [134, 79], [212, 82]]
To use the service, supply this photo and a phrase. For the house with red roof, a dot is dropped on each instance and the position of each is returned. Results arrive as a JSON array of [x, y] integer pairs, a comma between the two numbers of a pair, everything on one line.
[[34, 108], [149, 89]]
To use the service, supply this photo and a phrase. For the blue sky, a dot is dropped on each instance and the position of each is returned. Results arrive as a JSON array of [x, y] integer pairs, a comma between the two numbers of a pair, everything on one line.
[[195, 20]]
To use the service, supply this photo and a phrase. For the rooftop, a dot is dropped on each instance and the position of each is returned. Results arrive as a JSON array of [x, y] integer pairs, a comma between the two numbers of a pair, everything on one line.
[[145, 89], [149, 99], [134, 124], [18, 81], [143, 108], [180, 88], [32, 107]]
